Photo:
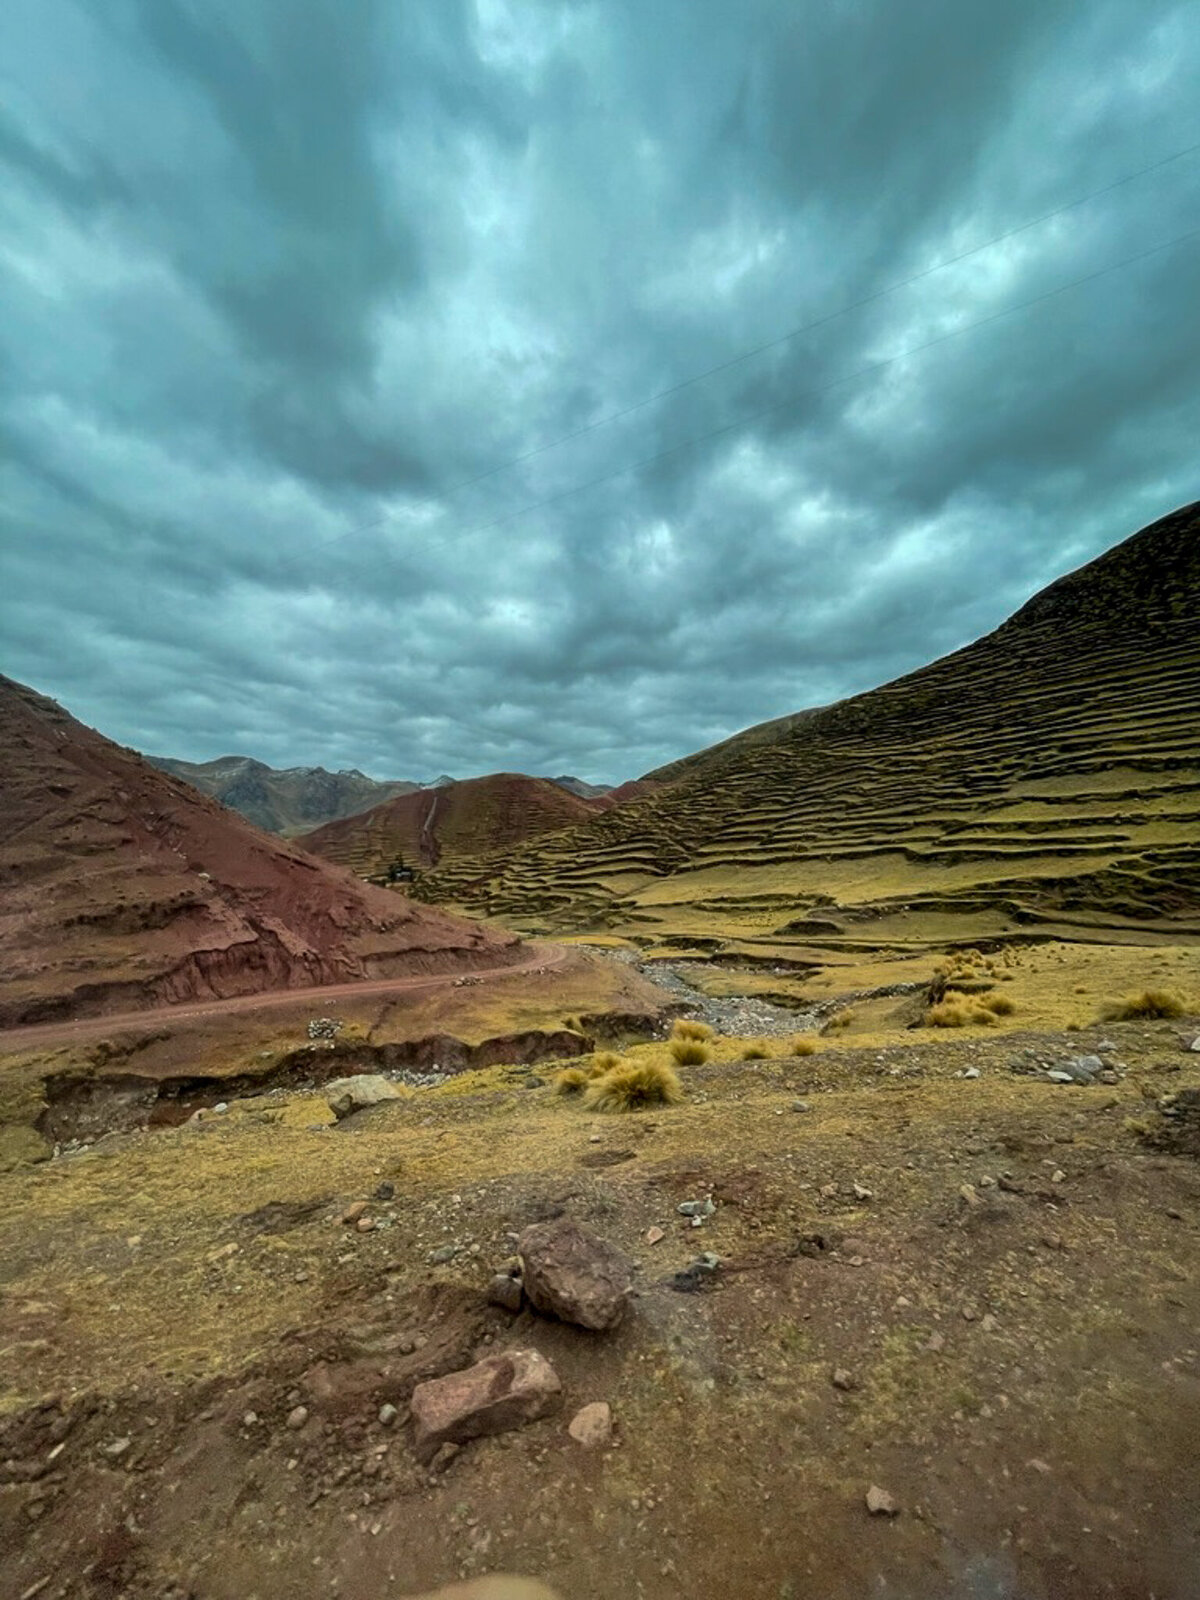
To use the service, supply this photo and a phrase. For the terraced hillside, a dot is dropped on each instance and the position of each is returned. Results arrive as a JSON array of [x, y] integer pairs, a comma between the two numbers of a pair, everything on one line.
[[1047, 774], [476, 816]]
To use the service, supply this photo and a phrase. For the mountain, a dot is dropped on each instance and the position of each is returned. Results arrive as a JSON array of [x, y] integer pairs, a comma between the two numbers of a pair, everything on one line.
[[585, 791], [1047, 774], [124, 888], [285, 801], [451, 822]]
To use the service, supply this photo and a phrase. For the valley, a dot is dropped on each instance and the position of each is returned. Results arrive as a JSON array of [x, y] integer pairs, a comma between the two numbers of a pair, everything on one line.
[[901, 1000]]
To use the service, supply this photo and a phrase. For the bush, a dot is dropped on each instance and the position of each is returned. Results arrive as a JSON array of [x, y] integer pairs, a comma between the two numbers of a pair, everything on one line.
[[755, 1052], [633, 1086], [1148, 1006], [957, 1014], [686, 1028], [804, 1045], [689, 1052], [603, 1061], [998, 1004], [571, 1081]]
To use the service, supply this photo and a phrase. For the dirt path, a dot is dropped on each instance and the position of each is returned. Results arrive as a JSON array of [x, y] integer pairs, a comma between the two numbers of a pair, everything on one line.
[[541, 957]]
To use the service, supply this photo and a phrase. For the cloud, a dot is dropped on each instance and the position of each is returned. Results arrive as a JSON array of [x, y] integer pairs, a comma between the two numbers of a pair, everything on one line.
[[281, 288]]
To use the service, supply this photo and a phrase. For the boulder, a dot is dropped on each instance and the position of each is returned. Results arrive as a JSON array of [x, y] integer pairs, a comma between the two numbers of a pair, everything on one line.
[[571, 1274], [345, 1095], [496, 1394]]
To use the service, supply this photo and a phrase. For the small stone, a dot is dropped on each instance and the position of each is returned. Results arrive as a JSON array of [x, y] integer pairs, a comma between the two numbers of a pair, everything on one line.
[[880, 1503], [117, 1448], [366, 1224], [444, 1253], [1195, 1044], [387, 1415], [593, 1138], [385, 1190], [353, 1212], [698, 1208], [505, 1291], [989, 1323], [1109, 1076], [800, 1105], [221, 1105], [861, 1193], [971, 1072], [843, 1380], [935, 1343], [592, 1425], [249, 1419], [1058, 1176], [443, 1456], [967, 1193], [1056, 1076], [987, 1182], [297, 1417]]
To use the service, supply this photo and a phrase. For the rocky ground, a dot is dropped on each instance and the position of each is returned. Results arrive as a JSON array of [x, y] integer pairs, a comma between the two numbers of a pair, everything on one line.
[[936, 1336]]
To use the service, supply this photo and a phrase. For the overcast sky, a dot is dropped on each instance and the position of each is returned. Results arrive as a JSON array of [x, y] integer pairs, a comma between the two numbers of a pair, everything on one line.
[[278, 281]]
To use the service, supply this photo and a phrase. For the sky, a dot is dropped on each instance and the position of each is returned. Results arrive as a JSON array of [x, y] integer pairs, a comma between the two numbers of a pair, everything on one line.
[[357, 389]]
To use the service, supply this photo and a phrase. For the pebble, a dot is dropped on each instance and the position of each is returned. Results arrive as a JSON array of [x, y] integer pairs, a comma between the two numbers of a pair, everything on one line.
[[989, 1323], [505, 1291], [843, 1380], [387, 1415], [592, 1425], [443, 1253], [249, 1419], [698, 1209], [1058, 1176], [117, 1448], [971, 1072], [385, 1190], [861, 1193], [880, 1503], [366, 1224], [297, 1417], [353, 1212], [800, 1105], [221, 1105], [654, 1235], [1056, 1076]]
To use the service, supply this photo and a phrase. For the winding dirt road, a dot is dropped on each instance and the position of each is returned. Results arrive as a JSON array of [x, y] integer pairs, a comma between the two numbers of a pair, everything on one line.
[[542, 957]]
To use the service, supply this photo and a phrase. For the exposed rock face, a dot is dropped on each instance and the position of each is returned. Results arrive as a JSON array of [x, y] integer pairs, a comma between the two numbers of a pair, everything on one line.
[[496, 1394], [124, 888], [575, 1276]]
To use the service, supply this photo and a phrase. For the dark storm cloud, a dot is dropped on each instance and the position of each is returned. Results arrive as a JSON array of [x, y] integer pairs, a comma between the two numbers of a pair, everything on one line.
[[281, 285]]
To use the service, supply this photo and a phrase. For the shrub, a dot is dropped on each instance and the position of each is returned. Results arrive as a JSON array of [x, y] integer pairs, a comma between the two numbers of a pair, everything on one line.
[[755, 1052], [843, 1019], [1147, 1006], [603, 1061], [633, 1086], [957, 1014], [571, 1081], [689, 1052], [804, 1045], [998, 1004], [686, 1028]]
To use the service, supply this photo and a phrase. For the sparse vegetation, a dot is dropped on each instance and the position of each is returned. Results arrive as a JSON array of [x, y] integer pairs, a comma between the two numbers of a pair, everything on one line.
[[755, 1052], [689, 1052], [686, 1028], [1000, 1005], [573, 1080], [635, 1085], [843, 1019], [804, 1045], [603, 1061], [958, 1013], [1148, 1006]]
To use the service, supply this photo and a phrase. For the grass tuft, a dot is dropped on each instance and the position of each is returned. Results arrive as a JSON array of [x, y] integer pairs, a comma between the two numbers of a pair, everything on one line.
[[573, 1080], [755, 1052], [958, 1013], [686, 1028], [633, 1086], [804, 1045], [998, 1004], [603, 1061], [689, 1052], [1148, 1006]]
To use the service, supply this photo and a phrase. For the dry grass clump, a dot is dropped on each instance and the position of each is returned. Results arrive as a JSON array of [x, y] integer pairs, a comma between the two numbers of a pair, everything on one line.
[[689, 1052], [1148, 1006], [635, 1085], [686, 1028], [804, 1045], [957, 1013], [603, 1061], [998, 1004], [843, 1019], [572, 1080], [755, 1052]]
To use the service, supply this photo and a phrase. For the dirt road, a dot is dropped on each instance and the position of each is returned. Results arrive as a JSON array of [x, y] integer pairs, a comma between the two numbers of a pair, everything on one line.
[[541, 957]]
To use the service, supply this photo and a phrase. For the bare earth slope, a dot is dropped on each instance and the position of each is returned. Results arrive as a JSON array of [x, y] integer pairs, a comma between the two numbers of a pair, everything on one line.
[[286, 800], [476, 815], [124, 888], [1049, 771]]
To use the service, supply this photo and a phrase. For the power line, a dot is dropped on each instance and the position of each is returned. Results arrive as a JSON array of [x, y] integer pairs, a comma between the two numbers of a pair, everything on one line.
[[772, 344], [812, 392]]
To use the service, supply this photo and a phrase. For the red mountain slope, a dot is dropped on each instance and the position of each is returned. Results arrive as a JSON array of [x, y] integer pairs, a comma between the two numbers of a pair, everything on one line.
[[124, 887]]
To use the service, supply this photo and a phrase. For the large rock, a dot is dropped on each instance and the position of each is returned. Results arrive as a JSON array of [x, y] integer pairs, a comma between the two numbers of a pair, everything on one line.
[[345, 1095], [572, 1274], [496, 1394]]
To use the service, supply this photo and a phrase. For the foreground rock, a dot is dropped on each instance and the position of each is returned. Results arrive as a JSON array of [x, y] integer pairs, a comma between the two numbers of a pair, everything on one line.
[[571, 1274], [345, 1095], [496, 1394], [592, 1426]]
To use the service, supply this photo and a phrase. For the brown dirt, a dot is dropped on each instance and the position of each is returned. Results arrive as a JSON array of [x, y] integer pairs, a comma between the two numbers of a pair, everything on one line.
[[126, 889], [1023, 1368]]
